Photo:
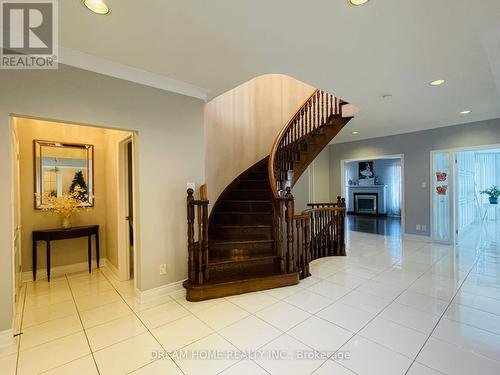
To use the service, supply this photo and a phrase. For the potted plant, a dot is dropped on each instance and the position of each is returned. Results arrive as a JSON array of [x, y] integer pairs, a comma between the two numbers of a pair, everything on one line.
[[65, 205], [493, 193]]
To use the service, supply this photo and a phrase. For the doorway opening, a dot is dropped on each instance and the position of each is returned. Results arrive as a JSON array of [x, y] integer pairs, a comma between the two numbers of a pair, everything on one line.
[[374, 192], [464, 180], [54, 161]]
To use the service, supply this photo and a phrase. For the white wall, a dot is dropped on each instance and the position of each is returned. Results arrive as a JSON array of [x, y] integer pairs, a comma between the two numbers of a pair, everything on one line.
[[169, 154], [242, 124]]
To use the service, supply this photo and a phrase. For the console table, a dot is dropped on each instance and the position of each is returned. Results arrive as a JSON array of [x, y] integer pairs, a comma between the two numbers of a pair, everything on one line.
[[64, 234]]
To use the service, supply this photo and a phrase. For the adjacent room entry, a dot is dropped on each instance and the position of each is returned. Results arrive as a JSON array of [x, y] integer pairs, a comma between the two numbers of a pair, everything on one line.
[[466, 187], [74, 191], [373, 191]]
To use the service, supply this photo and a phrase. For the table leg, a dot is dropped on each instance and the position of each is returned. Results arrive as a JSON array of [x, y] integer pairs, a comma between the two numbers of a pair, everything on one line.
[[90, 252], [97, 247], [48, 260], [34, 260]]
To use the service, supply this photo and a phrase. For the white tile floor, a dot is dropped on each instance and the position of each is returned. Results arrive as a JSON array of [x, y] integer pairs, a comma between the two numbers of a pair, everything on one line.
[[392, 307]]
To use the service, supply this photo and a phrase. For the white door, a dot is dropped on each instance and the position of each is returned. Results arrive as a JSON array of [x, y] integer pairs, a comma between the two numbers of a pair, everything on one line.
[[442, 217], [16, 217]]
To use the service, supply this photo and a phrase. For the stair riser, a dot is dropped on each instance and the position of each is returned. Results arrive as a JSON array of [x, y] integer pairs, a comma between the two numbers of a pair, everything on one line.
[[240, 234], [254, 184], [229, 250], [195, 294], [258, 175], [246, 206], [250, 195], [242, 219], [234, 269]]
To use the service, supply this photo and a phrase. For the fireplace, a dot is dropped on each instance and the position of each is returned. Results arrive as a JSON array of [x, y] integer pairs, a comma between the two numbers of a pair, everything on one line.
[[366, 203]]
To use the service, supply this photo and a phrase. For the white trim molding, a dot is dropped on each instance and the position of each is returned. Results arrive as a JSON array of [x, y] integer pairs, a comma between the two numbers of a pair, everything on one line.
[[6, 337], [161, 291], [41, 273], [98, 65]]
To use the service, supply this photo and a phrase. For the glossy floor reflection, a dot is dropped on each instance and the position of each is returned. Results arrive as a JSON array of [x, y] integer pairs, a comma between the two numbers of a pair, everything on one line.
[[389, 307], [384, 225]]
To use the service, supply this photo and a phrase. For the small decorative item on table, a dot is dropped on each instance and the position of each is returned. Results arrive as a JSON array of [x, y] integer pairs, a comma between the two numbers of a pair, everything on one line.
[[66, 205]]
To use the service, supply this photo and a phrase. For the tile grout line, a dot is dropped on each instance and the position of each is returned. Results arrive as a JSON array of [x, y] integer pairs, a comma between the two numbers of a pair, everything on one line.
[[83, 327], [444, 312], [378, 314], [21, 326], [147, 328]]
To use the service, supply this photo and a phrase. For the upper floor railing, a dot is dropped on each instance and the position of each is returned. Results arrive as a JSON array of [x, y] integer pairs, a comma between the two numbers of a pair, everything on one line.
[[315, 112]]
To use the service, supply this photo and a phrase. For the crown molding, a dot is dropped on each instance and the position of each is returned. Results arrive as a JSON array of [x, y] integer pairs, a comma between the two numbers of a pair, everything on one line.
[[95, 64]]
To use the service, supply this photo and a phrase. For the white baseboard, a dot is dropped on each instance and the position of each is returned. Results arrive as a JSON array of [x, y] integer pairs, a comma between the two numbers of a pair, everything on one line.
[[6, 337], [161, 291], [41, 273], [417, 237]]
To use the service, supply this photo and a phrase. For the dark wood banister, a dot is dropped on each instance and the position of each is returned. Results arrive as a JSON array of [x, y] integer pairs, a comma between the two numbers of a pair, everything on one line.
[[274, 149], [314, 113]]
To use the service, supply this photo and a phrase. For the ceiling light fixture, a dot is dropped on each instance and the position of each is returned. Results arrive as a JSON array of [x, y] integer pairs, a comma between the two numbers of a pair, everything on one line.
[[437, 82], [355, 132], [357, 2], [466, 112], [97, 6]]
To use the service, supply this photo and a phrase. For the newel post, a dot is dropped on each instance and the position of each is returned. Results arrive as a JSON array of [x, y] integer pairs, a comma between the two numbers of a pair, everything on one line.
[[190, 234], [342, 218], [289, 212]]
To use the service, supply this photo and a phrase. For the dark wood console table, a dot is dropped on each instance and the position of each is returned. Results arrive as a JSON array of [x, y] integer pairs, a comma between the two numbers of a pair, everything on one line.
[[64, 234]]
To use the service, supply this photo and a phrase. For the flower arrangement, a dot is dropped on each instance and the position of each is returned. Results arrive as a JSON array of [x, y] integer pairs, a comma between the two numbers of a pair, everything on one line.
[[65, 205], [493, 192]]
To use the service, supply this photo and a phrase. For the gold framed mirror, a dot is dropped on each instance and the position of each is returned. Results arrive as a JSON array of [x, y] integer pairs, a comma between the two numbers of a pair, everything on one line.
[[59, 168]]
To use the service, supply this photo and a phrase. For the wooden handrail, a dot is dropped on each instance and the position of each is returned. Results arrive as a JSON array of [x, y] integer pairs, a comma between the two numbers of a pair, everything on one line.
[[312, 115], [274, 149]]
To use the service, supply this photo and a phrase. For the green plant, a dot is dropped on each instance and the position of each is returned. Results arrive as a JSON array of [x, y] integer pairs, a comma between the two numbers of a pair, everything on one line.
[[493, 192]]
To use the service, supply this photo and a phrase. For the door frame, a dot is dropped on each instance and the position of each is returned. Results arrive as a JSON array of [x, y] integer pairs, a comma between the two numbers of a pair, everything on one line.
[[122, 204], [135, 137], [452, 186], [16, 206], [378, 157]]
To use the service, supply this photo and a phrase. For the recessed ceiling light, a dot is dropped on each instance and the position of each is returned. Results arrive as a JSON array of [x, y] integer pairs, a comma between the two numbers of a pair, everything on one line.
[[465, 112], [437, 82], [355, 132], [357, 2], [97, 6]]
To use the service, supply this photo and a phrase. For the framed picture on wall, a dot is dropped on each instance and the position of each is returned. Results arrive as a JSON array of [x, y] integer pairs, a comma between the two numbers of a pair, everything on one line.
[[365, 170]]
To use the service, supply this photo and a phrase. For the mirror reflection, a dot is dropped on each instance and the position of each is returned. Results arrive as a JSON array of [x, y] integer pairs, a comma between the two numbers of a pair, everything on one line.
[[60, 168]]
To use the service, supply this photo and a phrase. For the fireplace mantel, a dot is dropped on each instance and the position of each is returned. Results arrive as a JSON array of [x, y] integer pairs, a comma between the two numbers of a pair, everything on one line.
[[379, 189]]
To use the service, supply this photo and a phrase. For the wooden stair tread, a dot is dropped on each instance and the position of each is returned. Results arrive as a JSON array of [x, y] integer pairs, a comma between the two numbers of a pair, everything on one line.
[[248, 200], [244, 212], [238, 242], [235, 226], [241, 259]]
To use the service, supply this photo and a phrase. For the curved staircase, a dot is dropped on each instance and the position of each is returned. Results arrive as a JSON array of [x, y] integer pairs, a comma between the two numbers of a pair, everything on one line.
[[253, 240]]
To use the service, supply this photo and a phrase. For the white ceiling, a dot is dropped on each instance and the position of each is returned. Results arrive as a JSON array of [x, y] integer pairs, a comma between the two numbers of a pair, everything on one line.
[[206, 47]]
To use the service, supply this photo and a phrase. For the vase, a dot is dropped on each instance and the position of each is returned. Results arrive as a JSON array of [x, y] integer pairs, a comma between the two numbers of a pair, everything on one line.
[[494, 200], [66, 222]]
